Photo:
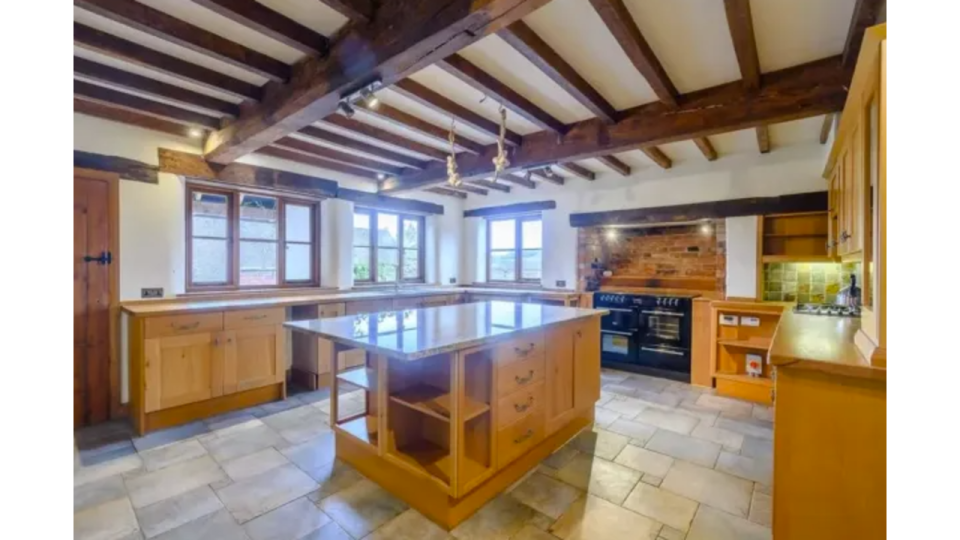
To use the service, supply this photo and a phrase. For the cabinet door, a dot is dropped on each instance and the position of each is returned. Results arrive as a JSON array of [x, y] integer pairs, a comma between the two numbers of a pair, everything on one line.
[[843, 196], [254, 357], [182, 369], [559, 345], [833, 213], [586, 363], [857, 190]]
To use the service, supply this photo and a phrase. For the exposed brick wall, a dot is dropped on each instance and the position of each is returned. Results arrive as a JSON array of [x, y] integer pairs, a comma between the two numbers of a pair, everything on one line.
[[683, 251]]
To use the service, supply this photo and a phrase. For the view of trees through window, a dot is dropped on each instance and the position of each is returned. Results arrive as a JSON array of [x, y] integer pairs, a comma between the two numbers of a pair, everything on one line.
[[514, 251], [393, 253]]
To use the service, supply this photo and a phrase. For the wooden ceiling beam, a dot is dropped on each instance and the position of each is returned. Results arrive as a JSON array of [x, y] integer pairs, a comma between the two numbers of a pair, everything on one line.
[[266, 21], [825, 128], [614, 163], [403, 38], [518, 180], [128, 169], [441, 104], [549, 176], [345, 158], [794, 93], [496, 186], [298, 157], [385, 137], [359, 11], [578, 171], [408, 121], [763, 138], [865, 14], [740, 22], [374, 152], [160, 25], [131, 118], [483, 82], [620, 23], [467, 188], [122, 100], [447, 192], [706, 148], [657, 156], [522, 38], [118, 77], [128, 51]]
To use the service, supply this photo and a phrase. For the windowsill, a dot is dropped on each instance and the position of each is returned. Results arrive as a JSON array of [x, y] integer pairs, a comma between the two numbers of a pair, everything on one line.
[[531, 286], [275, 291], [375, 286]]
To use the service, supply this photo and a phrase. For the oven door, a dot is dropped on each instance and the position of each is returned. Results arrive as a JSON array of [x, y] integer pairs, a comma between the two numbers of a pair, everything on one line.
[[659, 326], [620, 319], [664, 357], [616, 346]]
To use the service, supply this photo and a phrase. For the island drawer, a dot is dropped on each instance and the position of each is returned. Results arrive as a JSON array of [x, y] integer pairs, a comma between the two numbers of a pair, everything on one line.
[[519, 404], [521, 348], [519, 375], [514, 440], [176, 325], [253, 317]]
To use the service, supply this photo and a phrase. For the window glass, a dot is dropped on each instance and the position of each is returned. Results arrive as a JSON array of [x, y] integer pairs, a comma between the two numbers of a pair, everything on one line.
[[259, 217], [503, 265], [258, 263], [392, 252], [515, 249], [208, 261], [388, 232], [298, 227], [503, 234], [388, 264]]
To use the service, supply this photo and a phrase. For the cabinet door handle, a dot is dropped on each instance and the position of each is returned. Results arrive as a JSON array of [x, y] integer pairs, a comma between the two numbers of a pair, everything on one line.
[[216, 342], [844, 236], [520, 407], [527, 434], [526, 351], [255, 317], [190, 326], [524, 380]]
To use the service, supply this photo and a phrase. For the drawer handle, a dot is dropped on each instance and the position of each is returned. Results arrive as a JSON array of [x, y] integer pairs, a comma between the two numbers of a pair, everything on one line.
[[520, 407], [524, 380], [524, 437], [190, 326], [255, 317], [524, 352]]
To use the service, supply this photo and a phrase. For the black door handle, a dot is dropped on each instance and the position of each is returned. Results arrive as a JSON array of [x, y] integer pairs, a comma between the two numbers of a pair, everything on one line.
[[104, 259]]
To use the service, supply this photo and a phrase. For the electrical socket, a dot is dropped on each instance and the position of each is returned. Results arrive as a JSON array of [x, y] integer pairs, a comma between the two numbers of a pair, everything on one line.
[[453, 280], [561, 283], [151, 292]]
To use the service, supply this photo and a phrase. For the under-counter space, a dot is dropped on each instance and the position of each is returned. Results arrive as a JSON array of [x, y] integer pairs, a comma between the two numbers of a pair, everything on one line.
[[821, 343]]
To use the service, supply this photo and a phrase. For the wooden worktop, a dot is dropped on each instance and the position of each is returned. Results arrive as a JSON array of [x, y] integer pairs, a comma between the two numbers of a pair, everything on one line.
[[822, 344], [191, 305]]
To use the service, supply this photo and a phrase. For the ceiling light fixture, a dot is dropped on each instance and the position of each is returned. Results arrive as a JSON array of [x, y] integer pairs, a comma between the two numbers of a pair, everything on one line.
[[706, 229], [371, 101], [196, 133], [381, 176], [345, 109], [612, 235]]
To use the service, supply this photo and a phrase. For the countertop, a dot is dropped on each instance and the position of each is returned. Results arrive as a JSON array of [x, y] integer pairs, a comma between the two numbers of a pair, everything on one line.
[[823, 344], [173, 306], [411, 334]]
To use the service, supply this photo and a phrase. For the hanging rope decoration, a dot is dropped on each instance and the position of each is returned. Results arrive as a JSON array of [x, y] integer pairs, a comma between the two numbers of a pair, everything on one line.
[[453, 177], [500, 162]]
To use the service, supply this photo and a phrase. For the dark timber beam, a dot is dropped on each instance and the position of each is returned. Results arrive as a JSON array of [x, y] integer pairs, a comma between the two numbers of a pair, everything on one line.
[[350, 144], [129, 169], [522, 38], [125, 79], [194, 166], [447, 192], [264, 20], [299, 157], [123, 100], [614, 163], [415, 91], [785, 204], [128, 51], [403, 38], [299, 145], [131, 118], [740, 23], [763, 139], [360, 11], [496, 186], [706, 148], [384, 137], [825, 128], [467, 188], [518, 180], [658, 157], [408, 121], [865, 14], [578, 171], [163, 26], [365, 198], [549, 176], [624, 29], [511, 209], [481, 81], [803, 91]]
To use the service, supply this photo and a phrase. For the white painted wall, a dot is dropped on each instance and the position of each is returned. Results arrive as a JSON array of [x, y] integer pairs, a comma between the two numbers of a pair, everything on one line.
[[792, 169], [152, 235], [742, 256]]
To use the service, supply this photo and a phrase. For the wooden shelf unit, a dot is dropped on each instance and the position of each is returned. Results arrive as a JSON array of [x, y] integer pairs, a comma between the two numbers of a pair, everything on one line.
[[364, 377], [436, 402], [732, 344], [363, 428], [793, 237]]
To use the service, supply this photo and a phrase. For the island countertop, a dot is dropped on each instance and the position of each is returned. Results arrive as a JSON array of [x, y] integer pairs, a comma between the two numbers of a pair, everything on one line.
[[411, 334]]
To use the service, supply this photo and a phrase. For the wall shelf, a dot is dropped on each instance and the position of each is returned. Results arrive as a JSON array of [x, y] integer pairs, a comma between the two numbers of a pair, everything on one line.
[[757, 344]]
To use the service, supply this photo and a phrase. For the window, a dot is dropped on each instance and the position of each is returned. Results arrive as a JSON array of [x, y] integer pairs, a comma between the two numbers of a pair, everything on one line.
[[249, 240], [387, 247], [514, 251]]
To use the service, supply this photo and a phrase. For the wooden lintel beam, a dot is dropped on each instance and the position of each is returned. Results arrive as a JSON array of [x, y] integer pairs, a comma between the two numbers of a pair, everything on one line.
[[403, 38], [129, 169], [131, 118], [408, 121], [658, 156], [482, 81], [375, 200], [511, 209], [763, 138], [439, 103], [123, 100], [374, 152], [468, 188], [160, 25], [740, 23], [299, 157], [384, 137], [706, 148], [803, 91], [194, 166], [614, 163], [518, 180], [578, 171], [865, 14], [128, 51], [447, 192], [344, 158], [522, 38], [620, 23], [496, 186], [825, 128], [359, 11], [117, 77], [549, 176], [264, 20]]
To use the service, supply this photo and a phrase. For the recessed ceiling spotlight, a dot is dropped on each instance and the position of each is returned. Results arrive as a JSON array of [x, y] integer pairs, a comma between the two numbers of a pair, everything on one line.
[[369, 99], [195, 133], [612, 235], [548, 170], [381, 176], [706, 228], [345, 109]]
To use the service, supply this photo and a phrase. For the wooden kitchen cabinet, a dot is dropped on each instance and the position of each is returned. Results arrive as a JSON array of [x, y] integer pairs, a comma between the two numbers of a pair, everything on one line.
[[253, 357], [573, 371], [182, 369]]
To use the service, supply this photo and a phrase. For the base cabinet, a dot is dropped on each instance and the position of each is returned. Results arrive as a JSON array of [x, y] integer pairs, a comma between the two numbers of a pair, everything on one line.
[[182, 369], [253, 357]]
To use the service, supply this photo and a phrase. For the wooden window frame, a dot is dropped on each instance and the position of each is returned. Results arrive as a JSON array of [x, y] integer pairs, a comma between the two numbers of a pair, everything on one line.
[[374, 246], [517, 247], [233, 239]]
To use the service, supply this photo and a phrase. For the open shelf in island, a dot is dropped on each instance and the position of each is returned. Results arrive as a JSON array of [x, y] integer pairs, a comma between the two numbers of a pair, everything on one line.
[[436, 402], [363, 428], [363, 376]]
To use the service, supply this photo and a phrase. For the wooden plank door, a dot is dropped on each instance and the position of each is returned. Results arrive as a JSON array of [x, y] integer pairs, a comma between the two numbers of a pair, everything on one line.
[[91, 301]]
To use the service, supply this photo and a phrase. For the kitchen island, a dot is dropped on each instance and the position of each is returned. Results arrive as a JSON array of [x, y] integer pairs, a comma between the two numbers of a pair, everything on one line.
[[462, 400]]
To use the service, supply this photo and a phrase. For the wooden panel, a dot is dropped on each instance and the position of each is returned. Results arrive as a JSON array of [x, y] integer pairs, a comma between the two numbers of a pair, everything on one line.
[[259, 357], [586, 362], [514, 440], [332, 310], [247, 318], [211, 407], [522, 348], [520, 374], [178, 325], [746, 391], [700, 370], [523, 402], [561, 375], [181, 369]]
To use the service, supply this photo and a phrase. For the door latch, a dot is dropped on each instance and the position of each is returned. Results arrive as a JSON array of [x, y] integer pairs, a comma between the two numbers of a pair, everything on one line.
[[104, 259]]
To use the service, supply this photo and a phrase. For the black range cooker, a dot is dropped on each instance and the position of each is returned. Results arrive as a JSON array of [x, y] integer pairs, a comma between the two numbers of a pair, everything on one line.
[[646, 333]]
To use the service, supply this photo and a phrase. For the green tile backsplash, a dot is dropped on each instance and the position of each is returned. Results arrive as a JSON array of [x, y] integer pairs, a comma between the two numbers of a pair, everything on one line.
[[807, 283]]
